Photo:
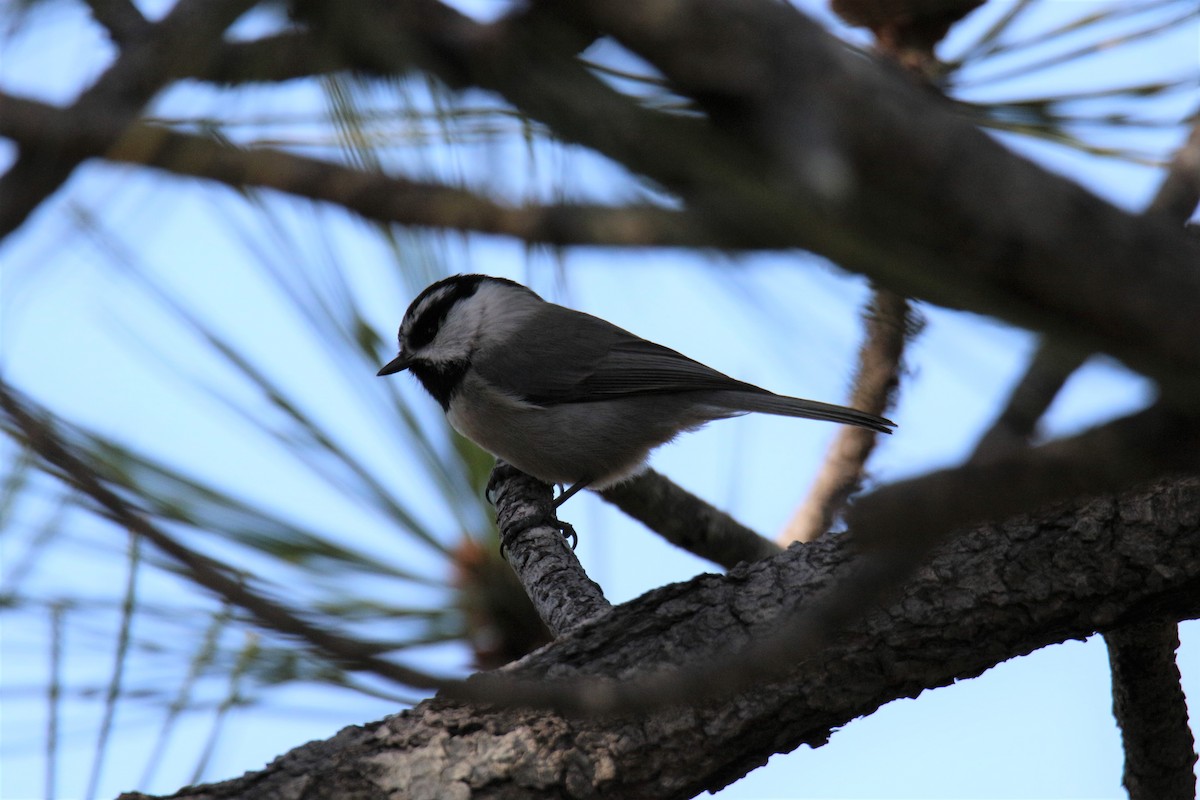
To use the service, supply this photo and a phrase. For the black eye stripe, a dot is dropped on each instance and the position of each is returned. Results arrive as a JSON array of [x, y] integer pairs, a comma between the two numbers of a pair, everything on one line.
[[424, 317], [429, 309]]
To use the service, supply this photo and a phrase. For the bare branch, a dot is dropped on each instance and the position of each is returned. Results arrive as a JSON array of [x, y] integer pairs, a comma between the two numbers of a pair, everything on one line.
[[534, 546], [1054, 363], [1154, 764], [686, 521], [1111, 457], [888, 326]]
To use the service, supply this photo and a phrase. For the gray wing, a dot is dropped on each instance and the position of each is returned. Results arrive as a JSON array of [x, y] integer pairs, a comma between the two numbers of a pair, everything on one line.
[[592, 360], [595, 360]]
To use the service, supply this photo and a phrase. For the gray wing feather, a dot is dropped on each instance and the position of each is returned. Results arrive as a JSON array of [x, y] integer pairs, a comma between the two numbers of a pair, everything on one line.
[[593, 360], [596, 360]]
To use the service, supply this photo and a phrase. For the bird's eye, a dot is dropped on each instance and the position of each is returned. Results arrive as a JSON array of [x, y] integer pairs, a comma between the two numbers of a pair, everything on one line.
[[429, 311], [423, 331]]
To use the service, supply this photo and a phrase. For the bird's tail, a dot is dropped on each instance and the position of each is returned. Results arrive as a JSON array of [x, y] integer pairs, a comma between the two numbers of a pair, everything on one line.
[[768, 403]]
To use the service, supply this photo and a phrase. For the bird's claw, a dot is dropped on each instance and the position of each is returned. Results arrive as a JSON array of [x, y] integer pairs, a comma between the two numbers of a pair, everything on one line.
[[568, 532]]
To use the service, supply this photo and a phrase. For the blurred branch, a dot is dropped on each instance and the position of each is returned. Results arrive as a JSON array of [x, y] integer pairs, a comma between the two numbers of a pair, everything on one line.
[[889, 325], [918, 512], [271, 59], [122, 19], [373, 195], [1151, 710], [835, 188], [1049, 369], [1053, 363], [118, 95], [534, 545], [687, 521], [33, 428]]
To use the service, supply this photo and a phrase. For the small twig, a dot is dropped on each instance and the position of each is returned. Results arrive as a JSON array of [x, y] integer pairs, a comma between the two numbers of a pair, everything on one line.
[[1151, 711], [888, 327], [686, 521], [533, 544]]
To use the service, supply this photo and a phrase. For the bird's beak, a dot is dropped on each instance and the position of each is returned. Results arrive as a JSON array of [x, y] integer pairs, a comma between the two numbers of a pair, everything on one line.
[[397, 364]]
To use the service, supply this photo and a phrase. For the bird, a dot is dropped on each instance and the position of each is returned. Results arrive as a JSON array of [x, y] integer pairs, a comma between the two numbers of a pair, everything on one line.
[[562, 395]]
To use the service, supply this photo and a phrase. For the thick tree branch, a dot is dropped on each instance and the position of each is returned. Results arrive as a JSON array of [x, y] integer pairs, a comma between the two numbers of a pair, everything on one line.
[[1000, 591], [534, 546]]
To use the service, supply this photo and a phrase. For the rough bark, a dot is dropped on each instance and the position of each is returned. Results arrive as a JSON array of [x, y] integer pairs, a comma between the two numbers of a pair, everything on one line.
[[997, 592]]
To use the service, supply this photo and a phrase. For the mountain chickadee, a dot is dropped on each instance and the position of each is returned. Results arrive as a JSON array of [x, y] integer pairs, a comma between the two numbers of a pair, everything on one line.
[[564, 396]]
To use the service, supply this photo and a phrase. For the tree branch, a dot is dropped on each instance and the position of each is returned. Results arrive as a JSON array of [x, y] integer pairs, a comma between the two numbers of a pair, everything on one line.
[[1148, 699], [888, 326], [1143, 446], [686, 521], [1048, 371], [997, 592], [1151, 710]]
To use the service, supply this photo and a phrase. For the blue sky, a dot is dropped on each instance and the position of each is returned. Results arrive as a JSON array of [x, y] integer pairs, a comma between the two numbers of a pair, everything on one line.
[[81, 336]]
